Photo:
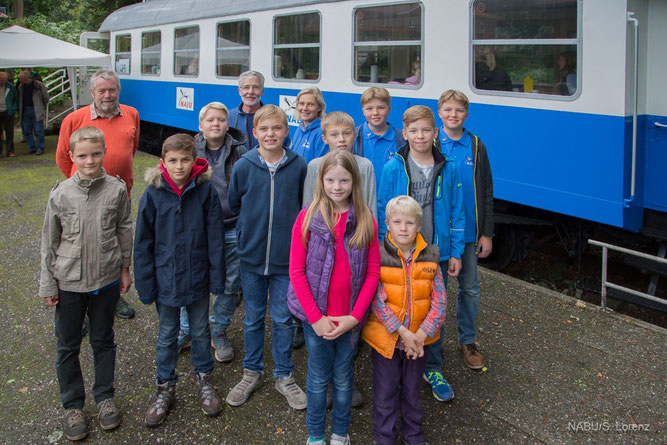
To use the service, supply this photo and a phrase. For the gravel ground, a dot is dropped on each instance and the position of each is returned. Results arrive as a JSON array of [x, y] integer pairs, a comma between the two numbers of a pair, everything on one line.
[[556, 372]]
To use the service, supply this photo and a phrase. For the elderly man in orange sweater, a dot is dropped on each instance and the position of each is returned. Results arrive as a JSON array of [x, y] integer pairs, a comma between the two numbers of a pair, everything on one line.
[[120, 124]]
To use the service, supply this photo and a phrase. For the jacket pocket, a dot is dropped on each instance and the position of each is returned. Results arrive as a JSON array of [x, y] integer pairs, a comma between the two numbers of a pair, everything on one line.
[[199, 266], [109, 218], [68, 263], [110, 260], [164, 275], [70, 226]]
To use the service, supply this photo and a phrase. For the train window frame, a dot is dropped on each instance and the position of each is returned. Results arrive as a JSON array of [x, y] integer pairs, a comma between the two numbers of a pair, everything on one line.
[[576, 41], [159, 53], [176, 51], [421, 43], [120, 53], [249, 47], [275, 46]]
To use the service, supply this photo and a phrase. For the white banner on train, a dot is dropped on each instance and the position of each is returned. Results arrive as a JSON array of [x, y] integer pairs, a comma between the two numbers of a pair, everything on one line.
[[288, 104], [185, 98]]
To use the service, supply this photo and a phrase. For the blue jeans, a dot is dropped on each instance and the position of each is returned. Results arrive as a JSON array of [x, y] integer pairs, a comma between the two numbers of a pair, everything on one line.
[[166, 357], [255, 288], [29, 123], [223, 305], [467, 306], [329, 360]]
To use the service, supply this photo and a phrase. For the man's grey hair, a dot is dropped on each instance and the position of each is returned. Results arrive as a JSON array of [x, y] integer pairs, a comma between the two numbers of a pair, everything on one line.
[[104, 74], [250, 75]]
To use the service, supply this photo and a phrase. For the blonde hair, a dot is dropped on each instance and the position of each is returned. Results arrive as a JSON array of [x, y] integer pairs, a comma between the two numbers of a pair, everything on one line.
[[456, 95], [405, 205], [270, 112], [213, 106], [375, 93], [90, 134], [416, 112], [365, 229], [317, 94], [336, 119]]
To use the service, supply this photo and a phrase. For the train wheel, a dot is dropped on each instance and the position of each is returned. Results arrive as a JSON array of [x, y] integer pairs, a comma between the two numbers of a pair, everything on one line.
[[504, 248]]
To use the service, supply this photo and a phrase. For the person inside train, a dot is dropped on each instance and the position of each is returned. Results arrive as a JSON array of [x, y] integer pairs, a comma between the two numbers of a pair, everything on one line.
[[567, 73], [221, 145], [488, 75], [377, 140], [251, 88], [307, 140]]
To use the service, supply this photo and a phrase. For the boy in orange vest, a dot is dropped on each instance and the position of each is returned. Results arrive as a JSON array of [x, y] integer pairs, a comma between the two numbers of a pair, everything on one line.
[[407, 313]]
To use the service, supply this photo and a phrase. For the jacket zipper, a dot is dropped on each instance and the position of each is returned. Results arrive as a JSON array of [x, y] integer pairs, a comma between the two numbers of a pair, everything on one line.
[[268, 239]]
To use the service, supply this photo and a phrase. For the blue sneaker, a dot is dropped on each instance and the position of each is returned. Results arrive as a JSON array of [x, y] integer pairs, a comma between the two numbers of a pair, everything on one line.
[[442, 390], [184, 341]]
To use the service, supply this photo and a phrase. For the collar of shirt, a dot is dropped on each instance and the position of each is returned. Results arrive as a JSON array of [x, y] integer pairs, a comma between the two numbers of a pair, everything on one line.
[[94, 114], [277, 164], [464, 140], [389, 135]]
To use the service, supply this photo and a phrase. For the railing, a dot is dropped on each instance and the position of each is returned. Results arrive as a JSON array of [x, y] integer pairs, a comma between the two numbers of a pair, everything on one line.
[[606, 284], [57, 84]]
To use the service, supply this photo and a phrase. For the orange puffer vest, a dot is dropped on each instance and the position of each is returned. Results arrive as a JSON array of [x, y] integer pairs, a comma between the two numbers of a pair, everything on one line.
[[394, 280]]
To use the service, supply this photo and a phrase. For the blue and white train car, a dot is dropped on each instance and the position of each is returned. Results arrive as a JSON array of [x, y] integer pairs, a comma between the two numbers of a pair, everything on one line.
[[568, 95]]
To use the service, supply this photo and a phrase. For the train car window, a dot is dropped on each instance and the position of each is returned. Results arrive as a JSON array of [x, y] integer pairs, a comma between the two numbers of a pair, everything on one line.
[[186, 51], [232, 49], [296, 46], [151, 50], [388, 44], [123, 52], [526, 47]]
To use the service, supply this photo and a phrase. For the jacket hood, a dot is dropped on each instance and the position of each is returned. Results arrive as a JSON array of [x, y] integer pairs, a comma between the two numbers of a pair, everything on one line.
[[253, 156], [438, 157], [153, 176], [238, 138]]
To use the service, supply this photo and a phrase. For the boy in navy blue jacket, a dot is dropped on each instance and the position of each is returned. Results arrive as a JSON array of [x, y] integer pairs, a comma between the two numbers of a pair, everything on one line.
[[265, 191], [179, 261]]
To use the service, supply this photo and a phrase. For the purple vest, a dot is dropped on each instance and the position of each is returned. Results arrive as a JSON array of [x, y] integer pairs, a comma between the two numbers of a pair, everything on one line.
[[319, 264]]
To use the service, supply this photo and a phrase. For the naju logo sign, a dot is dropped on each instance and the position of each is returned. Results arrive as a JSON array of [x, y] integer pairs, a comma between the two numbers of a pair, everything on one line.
[[288, 104], [185, 98]]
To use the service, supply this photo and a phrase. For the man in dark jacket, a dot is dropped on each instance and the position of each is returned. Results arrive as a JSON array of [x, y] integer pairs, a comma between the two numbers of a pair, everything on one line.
[[33, 100], [8, 105]]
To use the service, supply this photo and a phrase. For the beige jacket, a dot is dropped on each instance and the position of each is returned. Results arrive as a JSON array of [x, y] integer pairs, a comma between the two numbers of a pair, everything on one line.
[[87, 235]]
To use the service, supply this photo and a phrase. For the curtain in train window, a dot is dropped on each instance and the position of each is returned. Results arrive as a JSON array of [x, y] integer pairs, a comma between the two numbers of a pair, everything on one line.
[[186, 51], [232, 49], [296, 46], [123, 54], [388, 44], [528, 46], [151, 49]]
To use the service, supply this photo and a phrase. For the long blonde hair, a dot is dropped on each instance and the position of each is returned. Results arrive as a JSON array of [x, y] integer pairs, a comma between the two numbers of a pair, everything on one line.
[[365, 230]]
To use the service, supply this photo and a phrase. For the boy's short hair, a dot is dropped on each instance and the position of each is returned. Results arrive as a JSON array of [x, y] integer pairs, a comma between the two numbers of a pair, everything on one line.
[[270, 112], [90, 134], [336, 119], [178, 142], [456, 95], [317, 94], [416, 112], [404, 205], [376, 93], [213, 106]]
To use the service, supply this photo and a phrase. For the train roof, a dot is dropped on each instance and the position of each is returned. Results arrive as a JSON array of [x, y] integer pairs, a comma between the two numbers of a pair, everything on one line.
[[162, 12]]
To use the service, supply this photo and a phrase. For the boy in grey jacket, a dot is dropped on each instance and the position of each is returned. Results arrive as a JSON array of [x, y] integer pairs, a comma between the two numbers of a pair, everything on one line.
[[86, 252]]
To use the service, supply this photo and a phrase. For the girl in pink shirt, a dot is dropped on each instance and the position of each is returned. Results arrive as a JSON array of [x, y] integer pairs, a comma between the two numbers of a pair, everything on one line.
[[334, 272]]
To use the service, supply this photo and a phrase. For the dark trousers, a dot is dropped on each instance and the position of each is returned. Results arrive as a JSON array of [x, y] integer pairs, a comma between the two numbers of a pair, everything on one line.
[[397, 389], [70, 311], [7, 122]]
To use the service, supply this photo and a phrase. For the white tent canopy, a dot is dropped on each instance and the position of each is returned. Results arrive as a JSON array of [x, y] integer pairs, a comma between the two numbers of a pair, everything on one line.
[[20, 47]]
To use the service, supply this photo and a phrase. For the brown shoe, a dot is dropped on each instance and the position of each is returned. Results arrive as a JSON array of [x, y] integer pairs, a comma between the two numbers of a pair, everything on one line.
[[160, 404], [210, 402], [471, 355]]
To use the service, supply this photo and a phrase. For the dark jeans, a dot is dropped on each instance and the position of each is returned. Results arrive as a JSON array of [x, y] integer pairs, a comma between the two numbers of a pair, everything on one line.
[[30, 124], [397, 389], [70, 311], [7, 122]]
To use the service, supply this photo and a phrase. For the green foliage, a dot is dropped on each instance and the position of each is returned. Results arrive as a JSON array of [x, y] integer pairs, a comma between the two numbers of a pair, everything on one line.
[[65, 30]]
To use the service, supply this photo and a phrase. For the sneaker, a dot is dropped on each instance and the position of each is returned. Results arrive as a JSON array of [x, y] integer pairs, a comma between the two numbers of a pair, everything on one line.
[[39, 152], [312, 441], [249, 383], [286, 386], [109, 414], [184, 341], [210, 402], [224, 351], [159, 407], [75, 424], [123, 309], [472, 357], [339, 440], [298, 341], [442, 391]]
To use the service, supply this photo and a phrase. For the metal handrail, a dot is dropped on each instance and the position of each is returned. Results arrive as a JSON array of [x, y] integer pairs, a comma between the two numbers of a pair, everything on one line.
[[56, 82], [606, 284]]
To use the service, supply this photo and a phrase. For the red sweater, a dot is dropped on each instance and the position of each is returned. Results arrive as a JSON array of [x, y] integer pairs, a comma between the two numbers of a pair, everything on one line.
[[121, 134], [340, 283]]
